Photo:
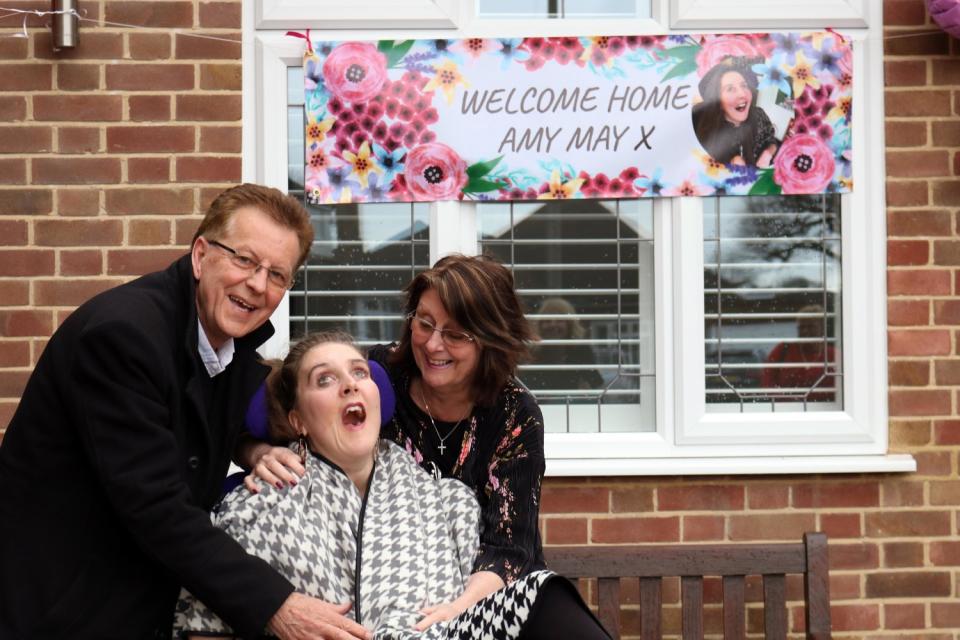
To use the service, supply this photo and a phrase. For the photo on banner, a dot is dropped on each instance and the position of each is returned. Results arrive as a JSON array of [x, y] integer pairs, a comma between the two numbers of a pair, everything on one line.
[[578, 117]]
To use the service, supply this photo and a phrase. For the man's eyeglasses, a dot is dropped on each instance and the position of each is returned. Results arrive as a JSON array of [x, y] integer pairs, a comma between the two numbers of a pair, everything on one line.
[[275, 277], [423, 328]]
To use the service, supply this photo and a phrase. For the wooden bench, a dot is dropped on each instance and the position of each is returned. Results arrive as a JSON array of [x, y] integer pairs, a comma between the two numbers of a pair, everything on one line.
[[691, 563]]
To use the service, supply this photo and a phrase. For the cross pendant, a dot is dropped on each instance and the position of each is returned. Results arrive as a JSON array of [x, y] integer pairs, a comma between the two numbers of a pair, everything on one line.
[[442, 448]]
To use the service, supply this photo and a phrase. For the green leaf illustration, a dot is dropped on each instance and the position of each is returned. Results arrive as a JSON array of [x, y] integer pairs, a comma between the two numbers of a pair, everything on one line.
[[479, 185], [394, 50], [685, 52], [765, 186], [680, 69], [479, 169]]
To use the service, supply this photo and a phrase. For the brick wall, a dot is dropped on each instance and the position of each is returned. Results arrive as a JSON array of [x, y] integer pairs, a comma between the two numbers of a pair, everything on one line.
[[109, 153]]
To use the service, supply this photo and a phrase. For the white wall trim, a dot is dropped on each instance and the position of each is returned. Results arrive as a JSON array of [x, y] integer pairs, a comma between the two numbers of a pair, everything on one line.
[[374, 14], [747, 15]]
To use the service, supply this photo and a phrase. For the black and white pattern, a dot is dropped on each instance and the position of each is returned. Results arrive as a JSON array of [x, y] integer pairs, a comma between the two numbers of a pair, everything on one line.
[[419, 538]]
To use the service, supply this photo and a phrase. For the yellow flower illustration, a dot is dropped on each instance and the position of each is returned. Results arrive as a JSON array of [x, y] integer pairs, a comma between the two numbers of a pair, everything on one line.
[[317, 129], [446, 79], [346, 197], [802, 74], [561, 190], [713, 168], [362, 163], [841, 109]]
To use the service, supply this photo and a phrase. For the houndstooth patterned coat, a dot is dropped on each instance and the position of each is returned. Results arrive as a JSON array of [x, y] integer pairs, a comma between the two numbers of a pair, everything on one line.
[[417, 536]]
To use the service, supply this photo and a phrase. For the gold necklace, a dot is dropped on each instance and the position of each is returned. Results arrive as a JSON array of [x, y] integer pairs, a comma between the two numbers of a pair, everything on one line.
[[443, 439]]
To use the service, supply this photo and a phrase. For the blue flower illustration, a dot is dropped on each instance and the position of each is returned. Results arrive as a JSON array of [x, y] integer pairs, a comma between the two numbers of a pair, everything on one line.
[[391, 161], [789, 45], [338, 182], [441, 47], [376, 191], [771, 74], [653, 185], [511, 53], [826, 57]]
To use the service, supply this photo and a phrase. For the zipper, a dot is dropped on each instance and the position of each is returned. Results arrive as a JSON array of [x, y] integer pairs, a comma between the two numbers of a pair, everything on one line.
[[359, 536]]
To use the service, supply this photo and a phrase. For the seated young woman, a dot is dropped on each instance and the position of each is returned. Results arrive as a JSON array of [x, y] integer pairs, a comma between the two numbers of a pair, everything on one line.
[[365, 528]]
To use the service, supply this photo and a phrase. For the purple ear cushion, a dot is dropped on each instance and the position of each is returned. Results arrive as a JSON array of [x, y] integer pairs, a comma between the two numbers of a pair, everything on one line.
[[256, 418]]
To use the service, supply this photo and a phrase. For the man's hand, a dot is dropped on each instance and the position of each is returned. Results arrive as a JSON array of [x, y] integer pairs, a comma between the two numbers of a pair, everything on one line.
[[304, 618]]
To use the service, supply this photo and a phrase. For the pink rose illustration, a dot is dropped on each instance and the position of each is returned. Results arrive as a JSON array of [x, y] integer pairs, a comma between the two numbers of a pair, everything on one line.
[[804, 164], [355, 71], [434, 171], [714, 50]]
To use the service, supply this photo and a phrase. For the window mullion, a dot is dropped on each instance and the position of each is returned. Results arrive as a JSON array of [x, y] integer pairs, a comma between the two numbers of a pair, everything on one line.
[[453, 229]]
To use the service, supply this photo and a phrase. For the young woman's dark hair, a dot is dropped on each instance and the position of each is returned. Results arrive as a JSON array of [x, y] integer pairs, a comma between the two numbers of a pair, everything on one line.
[[479, 293]]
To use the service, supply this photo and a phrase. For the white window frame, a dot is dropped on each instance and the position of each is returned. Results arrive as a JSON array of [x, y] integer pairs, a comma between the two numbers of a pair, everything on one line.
[[688, 439]]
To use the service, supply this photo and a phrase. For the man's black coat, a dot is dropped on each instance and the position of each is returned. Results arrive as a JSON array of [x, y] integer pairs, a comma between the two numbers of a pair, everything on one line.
[[110, 465]]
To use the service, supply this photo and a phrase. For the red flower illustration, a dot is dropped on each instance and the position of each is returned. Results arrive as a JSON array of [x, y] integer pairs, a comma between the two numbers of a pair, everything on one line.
[[355, 71], [715, 49], [434, 171], [804, 164]]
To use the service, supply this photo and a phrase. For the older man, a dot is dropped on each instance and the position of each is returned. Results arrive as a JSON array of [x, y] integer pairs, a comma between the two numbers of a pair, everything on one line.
[[123, 435]]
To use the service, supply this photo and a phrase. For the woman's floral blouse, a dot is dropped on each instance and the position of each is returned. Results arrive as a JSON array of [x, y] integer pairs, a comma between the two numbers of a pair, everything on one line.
[[498, 452]]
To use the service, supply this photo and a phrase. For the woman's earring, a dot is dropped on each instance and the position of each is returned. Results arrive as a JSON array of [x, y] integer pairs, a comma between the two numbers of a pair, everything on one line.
[[302, 449]]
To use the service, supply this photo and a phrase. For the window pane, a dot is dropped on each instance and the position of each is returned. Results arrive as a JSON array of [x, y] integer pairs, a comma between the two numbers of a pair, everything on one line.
[[584, 270], [772, 303], [564, 8]]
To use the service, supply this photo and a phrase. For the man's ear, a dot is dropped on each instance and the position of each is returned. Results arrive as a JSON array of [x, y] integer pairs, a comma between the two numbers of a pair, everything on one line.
[[197, 252]]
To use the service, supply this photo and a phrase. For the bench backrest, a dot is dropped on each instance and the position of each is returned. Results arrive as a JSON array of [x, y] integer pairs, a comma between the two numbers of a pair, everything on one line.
[[691, 563]]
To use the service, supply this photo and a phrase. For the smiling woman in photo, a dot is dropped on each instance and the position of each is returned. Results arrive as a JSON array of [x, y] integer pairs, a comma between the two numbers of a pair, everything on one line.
[[729, 123]]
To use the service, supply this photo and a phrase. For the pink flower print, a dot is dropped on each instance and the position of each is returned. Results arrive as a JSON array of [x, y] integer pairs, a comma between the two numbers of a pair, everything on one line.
[[355, 71], [804, 164], [465, 450], [515, 432], [715, 49], [434, 171]]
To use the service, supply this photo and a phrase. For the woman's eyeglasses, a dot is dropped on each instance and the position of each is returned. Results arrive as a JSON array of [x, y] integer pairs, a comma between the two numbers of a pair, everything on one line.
[[275, 277], [423, 328]]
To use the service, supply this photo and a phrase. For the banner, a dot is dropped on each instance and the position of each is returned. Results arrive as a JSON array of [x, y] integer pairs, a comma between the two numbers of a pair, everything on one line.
[[578, 117]]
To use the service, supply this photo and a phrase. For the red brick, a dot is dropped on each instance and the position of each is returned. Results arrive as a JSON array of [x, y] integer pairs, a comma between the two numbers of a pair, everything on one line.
[[700, 498], [924, 43], [25, 201], [74, 233], [149, 108], [148, 232], [20, 139], [151, 14], [191, 47], [909, 373], [150, 77], [220, 139], [575, 500], [129, 201], [907, 252], [13, 48], [945, 493], [918, 282], [622, 500], [149, 46], [209, 107], [933, 463], [907, 524], [220, 15], [945, 553], [703, 528], [947, 372], [565, 531], [909, 434], [14, 293], [945, 133], [183, 230], [26, 262], [26, 77], [946, 192], [78, 77], [946, 72], [77, 108], [903, 13], [70, 292], [13, 171], [150, 139], [901, 493], [92, 45], [920, 223], [82, 262], [845, 587], [904, 616], [905, 133], [208, 169], [78, 202], [135, 262], [13, 232], [78, 140], [768, 496], [918, 164], [946, 432], [918, 402], [902, 554], [913, 103], [907, 193], [908, 584], [945, 615], [908, 312], [144, 170], [24, 323], [76, 170], [856, 555], [12, 108], [905, 73], [221, 77], [841, 525], [772, 526], [14, 353], [919, 342], [646, 529], [12, 382], [946, 253], [855, 617]]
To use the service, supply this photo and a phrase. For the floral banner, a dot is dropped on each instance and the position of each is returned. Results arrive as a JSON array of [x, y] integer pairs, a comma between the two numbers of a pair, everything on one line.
[[578, 117]]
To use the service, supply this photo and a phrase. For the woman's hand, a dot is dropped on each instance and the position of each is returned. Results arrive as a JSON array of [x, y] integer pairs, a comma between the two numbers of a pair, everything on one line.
[[479, 586], [766, 158], [738, 160], [276, 465], [438, 613]]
